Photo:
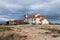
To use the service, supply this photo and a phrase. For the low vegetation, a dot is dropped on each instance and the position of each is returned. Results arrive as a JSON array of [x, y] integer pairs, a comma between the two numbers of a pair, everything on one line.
[[29, 32], [5, 29]]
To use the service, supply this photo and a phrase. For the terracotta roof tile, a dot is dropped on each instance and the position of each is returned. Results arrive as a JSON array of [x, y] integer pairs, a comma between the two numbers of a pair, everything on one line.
[[37, 16]]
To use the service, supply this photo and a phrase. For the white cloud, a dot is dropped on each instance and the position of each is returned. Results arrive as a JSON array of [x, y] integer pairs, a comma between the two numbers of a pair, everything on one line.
[[50, 5], [36, 6], [10, 5], [14, 6], [3, 18], [6, 19]]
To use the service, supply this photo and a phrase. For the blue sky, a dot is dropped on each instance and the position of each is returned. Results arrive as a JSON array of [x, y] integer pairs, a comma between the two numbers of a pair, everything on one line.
[[15, 9]]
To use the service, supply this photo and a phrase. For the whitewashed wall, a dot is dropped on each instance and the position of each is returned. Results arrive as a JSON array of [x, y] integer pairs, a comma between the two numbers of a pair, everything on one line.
[[38, 21], [45, 21]]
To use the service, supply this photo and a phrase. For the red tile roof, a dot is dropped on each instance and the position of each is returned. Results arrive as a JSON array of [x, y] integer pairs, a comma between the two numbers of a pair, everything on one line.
[[31, 16], [37, 16], [17, 21]]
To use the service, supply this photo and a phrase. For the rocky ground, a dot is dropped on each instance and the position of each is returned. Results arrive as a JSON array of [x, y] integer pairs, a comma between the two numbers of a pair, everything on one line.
[[30, 33]]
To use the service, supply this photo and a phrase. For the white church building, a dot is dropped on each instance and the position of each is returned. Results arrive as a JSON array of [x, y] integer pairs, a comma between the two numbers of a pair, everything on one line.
[[36, 19]]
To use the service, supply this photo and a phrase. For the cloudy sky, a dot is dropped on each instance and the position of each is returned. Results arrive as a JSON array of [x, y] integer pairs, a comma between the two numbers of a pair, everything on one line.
[[15, 9]]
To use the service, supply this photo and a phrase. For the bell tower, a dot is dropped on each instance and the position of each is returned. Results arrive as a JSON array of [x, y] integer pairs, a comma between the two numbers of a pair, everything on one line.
[[26, 18]]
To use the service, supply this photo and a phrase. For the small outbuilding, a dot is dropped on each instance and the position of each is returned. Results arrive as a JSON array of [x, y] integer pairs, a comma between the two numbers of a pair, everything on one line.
[[15, 22]]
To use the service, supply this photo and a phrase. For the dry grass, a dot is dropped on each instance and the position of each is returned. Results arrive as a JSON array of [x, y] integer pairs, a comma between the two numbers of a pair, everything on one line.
[[31, 32]]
